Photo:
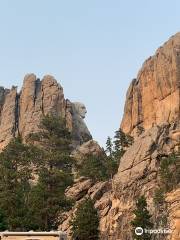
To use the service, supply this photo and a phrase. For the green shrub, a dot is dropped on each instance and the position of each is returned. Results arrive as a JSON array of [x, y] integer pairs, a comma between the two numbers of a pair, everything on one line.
[[159, 196], [170, 171]]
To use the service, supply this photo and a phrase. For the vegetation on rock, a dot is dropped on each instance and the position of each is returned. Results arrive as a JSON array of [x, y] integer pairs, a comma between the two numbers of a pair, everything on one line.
[[170, 171], [94, 167], [142, 219], [85, 223], [115, 149], [121, 142], [103, 166], [159, 196]]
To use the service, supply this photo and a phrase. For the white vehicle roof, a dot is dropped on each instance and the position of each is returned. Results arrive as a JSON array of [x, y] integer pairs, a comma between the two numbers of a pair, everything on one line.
[[32, 233]]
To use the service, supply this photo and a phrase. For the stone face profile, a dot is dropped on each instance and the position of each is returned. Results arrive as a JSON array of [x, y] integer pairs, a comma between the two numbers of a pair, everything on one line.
[[80, 109], [21, 113], [80, 130]]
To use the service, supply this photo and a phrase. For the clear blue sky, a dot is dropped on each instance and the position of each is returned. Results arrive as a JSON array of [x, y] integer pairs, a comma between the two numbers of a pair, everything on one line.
[[92, 47]]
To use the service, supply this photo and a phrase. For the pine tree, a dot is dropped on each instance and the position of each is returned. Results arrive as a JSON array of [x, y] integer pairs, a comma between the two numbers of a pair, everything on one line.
[[109, 146], [111, 162], [15, 174], [121, 143], [94, 167], [47, 197], [142, 219], [170, 171], [3, 222], [85, 223]]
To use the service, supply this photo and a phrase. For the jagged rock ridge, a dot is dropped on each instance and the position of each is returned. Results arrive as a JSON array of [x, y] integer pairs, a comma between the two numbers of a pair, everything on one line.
[[20, 113]]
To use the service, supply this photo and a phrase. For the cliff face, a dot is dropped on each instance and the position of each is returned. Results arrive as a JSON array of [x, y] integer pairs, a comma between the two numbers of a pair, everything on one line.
[[154, 97], [152, 110], [21, 113], [152, 104], [137, 175]]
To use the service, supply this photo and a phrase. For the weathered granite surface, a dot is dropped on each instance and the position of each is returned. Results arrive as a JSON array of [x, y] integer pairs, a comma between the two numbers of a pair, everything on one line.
[[137, 175], [154, 96], [21, 113]]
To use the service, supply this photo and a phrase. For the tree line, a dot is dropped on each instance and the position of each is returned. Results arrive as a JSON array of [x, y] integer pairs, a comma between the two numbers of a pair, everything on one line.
[[35, 174], [33, 178]]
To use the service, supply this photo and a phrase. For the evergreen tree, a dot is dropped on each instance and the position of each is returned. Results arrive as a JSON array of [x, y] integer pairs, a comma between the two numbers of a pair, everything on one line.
[[121, 143], [55, 139], [111, 165], [85, 223], [109, 146], [48, 201], [3, 222], [15, 174], [142, 219], [94, 167], [47, 197], [111, 162], [170, 171]]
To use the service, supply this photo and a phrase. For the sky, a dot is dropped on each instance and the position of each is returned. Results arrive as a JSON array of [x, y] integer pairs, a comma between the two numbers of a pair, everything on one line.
[[94, 48]]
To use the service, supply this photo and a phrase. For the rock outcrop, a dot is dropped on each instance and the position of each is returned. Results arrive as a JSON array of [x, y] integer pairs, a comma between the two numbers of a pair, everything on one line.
[[152, 115], [8, 117], [21, 113], [137, 175], [100, 192], [154, 96], [91, 147]]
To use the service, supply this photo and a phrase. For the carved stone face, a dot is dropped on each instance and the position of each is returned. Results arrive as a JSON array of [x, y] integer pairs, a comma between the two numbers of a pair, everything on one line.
[[80, 109]]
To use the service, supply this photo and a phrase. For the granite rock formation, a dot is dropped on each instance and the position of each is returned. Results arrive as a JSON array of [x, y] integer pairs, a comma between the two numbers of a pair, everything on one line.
[[21, 113], [91, 147], [138, 174], [152, 115], [154, 96]]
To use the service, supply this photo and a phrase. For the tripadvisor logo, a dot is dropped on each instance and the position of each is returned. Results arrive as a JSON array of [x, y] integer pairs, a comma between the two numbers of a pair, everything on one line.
[[139, 231]]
